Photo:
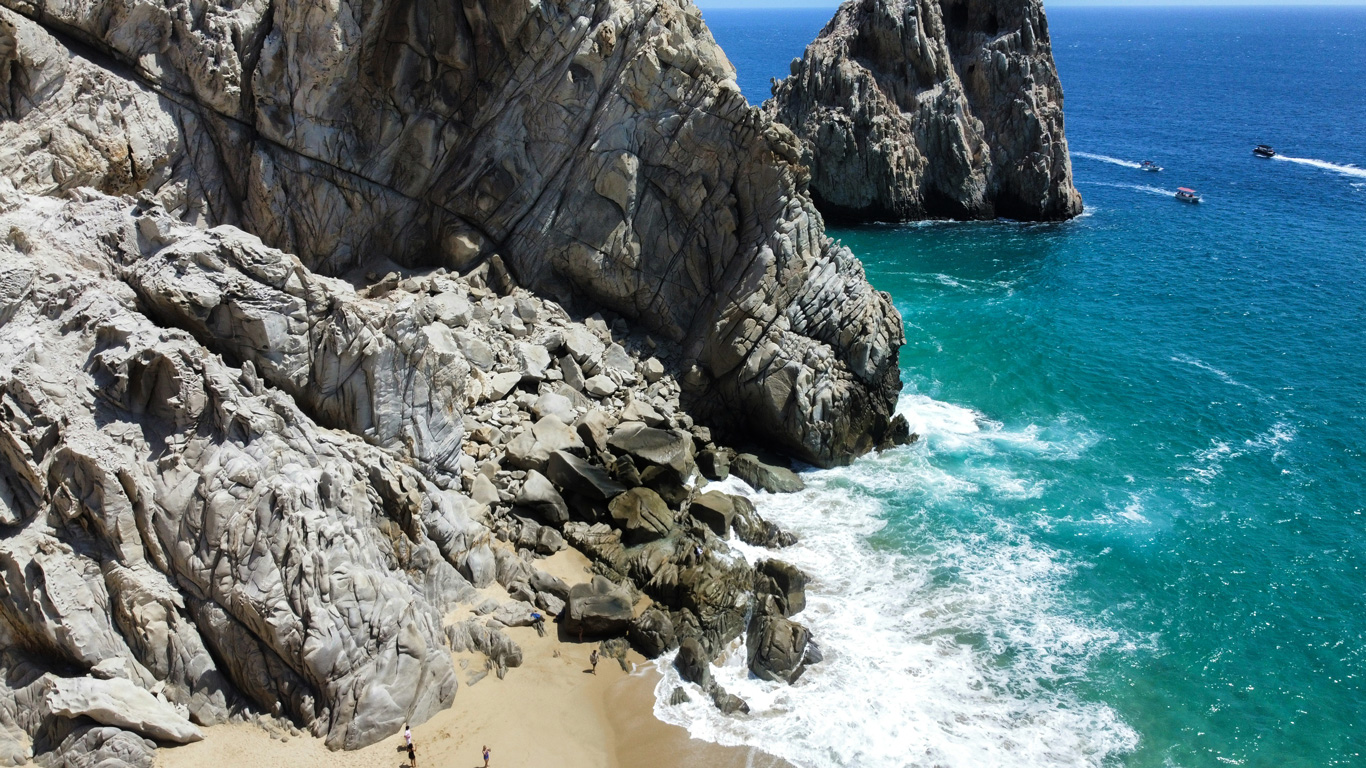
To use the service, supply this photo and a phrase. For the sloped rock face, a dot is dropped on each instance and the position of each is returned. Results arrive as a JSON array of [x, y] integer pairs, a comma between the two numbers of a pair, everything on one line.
[[199, 493], [600, 147], [913, 109], [172, 515], [238, 482]]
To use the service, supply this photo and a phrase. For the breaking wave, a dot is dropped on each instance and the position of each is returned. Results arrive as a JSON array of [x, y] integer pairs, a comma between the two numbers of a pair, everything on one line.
[[944, 646]]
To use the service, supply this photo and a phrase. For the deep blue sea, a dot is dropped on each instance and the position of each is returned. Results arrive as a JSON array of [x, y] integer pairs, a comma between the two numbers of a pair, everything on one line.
[[1133, 532]]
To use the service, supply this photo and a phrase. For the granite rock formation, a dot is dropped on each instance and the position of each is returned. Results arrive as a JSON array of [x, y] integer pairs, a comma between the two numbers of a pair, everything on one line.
[[600, 148], [319, 321], [240, 489], [914, 109]]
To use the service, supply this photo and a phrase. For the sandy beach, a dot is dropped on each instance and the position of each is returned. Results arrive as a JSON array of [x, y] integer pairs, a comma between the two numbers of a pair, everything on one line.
[[549, 711]]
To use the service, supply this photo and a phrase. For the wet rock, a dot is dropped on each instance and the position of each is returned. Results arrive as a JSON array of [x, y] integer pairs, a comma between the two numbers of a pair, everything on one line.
[[652, 633], [765, 477], [692, 662], [755, 530], [727, 702], [785, 582], [776, 645], [714, 465], [715, 510], [679, 696]]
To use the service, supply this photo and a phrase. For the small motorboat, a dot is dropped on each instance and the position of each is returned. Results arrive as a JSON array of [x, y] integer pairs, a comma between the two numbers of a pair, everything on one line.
[[1262, 150], [1187, 195], [1150, 166]]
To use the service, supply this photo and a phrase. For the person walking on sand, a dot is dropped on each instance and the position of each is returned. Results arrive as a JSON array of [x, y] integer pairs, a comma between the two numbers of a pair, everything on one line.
[[412, 756], [486, 756], [593, 659], [407, 735]]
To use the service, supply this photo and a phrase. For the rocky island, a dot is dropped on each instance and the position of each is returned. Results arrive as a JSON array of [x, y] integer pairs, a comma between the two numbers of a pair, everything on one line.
[[321, 326], [916, 109]]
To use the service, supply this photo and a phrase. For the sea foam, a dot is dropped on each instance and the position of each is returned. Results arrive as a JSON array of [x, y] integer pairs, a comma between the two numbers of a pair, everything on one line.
[[952, 649]]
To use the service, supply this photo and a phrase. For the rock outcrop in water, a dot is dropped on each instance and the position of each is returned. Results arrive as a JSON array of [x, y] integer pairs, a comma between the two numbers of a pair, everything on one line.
[[913, 109], [319, 321]]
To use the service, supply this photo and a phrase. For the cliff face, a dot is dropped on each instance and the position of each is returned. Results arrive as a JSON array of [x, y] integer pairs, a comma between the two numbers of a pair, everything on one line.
[[285, 377], [601, 149], [913, 109]]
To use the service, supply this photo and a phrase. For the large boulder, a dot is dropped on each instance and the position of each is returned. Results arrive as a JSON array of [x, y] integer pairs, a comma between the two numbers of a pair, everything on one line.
[[642, 515], [578, 477], [670, 449], [912, 109], [714, 509], [785, 582], [776, 646], [652, 633], [598, 608], [118, 702], [692, 662], [539, 495], [765, 477], [532, 449]]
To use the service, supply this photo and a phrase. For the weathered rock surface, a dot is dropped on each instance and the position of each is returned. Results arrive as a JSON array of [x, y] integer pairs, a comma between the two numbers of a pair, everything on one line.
[[785, 582], [120, 703], [596, 151], [283, 379], [597, 608], [913, 109], [177, 514], [776, 645], [764, 476]]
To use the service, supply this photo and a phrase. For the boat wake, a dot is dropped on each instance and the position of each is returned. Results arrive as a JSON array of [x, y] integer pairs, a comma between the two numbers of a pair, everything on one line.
[[1346, 170], [958, 650], [1136, 187], [1107, 159]]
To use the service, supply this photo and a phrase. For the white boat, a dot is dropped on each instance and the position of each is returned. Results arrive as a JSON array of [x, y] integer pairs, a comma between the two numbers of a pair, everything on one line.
[[1187, 195], [1150, 166]]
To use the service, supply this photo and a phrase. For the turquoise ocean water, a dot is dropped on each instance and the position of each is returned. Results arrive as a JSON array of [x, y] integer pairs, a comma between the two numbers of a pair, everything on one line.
[[1134, 530]]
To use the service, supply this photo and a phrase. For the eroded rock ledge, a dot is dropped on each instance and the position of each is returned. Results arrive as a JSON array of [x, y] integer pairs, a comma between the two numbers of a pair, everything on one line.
[[914, 109]]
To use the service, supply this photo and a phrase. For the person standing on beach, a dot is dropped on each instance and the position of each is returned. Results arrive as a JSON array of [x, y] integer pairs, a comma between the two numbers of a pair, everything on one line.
[[412, 756], [593, 659], [486, 756], [407, 735]]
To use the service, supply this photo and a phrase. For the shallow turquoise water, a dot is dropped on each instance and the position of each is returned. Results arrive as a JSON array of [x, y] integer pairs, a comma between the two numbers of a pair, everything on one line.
[[1134, 524]]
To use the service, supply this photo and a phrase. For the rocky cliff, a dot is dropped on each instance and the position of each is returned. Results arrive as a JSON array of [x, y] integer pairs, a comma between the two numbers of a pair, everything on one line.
[[914, 109], [600, 148], [321, 322]]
